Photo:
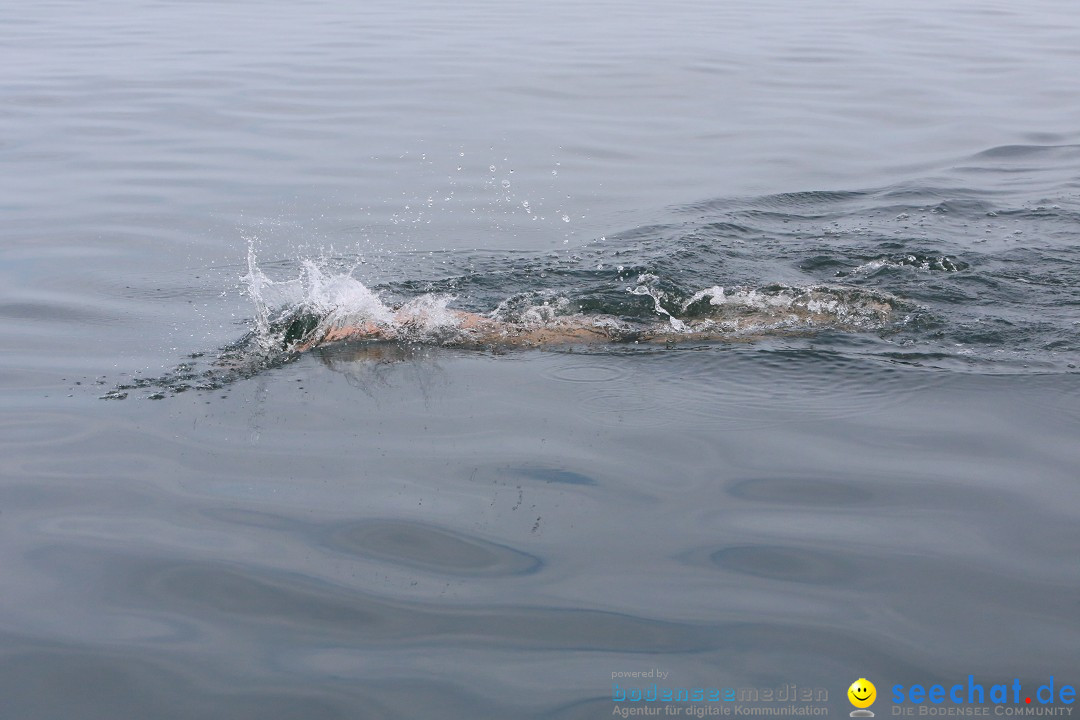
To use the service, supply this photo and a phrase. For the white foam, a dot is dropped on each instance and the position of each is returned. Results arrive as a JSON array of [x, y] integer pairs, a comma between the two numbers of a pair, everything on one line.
[[340, 299], [645, 286], [816, 304], [426, 317]]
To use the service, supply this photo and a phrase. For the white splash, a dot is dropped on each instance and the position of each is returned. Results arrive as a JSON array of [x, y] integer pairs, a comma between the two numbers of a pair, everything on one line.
[[645, 286], [332, 300], [257, 285], [340, 299]]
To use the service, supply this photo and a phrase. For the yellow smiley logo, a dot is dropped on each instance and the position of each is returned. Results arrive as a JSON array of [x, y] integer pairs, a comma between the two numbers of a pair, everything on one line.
[[862, 693]]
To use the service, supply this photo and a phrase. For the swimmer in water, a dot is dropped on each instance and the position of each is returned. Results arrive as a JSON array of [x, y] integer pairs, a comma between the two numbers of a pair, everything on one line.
[[459, 328], [383, 334]]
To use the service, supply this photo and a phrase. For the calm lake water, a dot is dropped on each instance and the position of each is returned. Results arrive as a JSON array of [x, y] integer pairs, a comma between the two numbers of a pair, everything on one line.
[[194, 524]]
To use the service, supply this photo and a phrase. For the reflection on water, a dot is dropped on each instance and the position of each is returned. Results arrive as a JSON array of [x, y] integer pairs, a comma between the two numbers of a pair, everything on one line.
[[788, 564], [430, 549]]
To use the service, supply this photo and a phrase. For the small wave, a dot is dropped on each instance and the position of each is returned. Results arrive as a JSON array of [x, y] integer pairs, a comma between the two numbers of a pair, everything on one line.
[[941, 263], [1012, 152]]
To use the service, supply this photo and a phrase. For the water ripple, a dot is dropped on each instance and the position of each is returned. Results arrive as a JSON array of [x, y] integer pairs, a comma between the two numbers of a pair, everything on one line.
[[431, 549]]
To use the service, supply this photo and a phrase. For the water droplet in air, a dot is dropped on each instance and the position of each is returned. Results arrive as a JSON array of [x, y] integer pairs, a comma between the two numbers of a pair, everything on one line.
[[566, 218]]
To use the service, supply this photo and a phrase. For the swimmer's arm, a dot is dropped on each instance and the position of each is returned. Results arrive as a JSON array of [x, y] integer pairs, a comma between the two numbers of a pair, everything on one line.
[[364, 331], [478, 330], [373, 331]]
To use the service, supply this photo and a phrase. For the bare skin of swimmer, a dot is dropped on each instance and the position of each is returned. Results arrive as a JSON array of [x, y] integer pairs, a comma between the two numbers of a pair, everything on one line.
[[476, 329], [479, 331]]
